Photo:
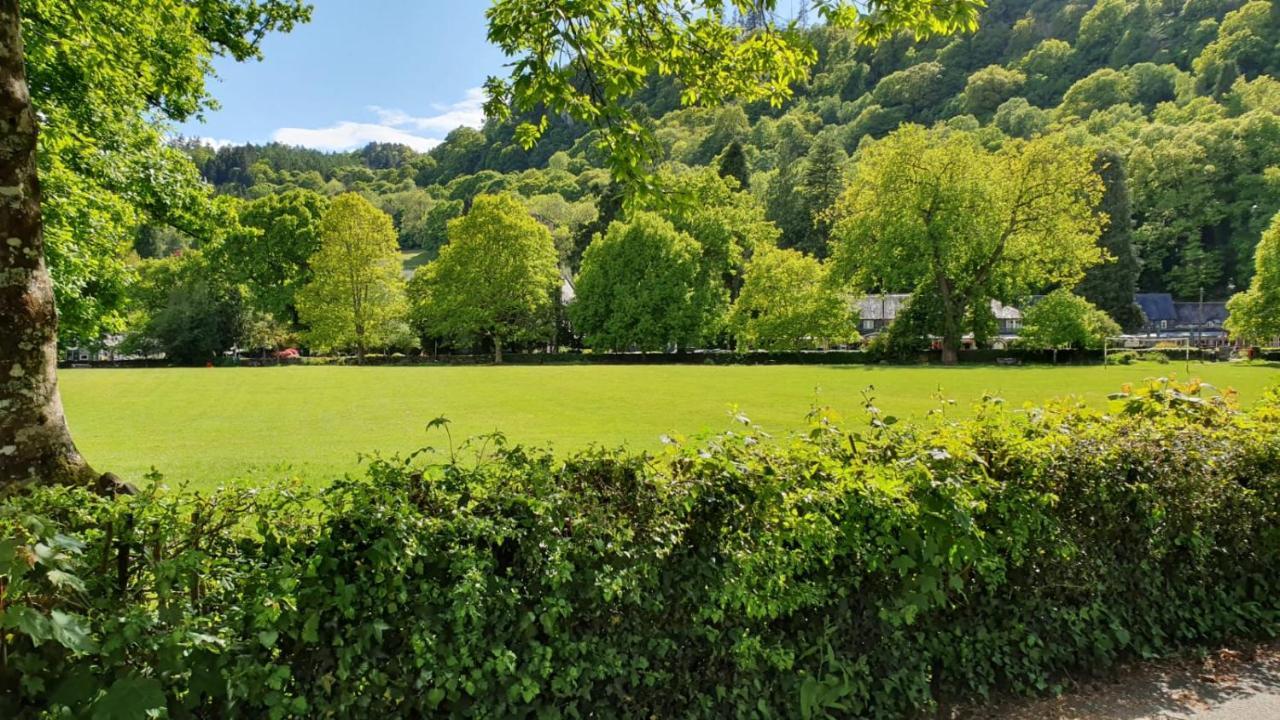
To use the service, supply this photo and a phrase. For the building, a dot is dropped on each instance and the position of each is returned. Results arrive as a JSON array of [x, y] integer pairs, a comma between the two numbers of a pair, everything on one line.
[[877, 312], [1198, 323]]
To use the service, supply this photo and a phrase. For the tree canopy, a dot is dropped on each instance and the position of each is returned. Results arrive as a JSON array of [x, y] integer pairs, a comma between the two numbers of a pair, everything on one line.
[[1255, 313], [939, 209], [639, 288], [1062, 319], [495, 280], [588, 59], [789, 303], [356, 291]]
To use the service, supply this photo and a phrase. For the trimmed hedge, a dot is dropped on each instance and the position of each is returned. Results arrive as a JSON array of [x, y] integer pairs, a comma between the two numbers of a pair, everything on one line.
[[872, 572], [813, 357]]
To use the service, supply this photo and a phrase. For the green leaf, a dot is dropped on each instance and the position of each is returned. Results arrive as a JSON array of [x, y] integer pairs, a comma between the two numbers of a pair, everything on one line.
[[268, 638], [130, 698], [65, 579], [71, 631], [27, 620]]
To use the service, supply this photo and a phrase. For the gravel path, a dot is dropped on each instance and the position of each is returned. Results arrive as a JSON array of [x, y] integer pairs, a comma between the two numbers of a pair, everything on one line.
[[1227, 685]]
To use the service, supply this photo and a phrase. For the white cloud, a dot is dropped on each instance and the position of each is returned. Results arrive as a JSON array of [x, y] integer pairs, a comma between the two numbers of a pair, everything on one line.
[[347, 135], [393, 126], [217, 143], [469, 111]]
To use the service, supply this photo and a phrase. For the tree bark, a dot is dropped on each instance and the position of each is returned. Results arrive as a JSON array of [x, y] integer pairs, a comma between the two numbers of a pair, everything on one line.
[[35, 444], [952, 316], [497, 350]]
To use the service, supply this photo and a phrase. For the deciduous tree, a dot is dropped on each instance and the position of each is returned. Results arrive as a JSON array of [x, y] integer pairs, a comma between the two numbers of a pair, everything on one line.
[[356, 289], [495, 280], [1062, 319], [588, 59], [1254, 315], [937, 207], [270, 251], [639, 288], [788, 303]]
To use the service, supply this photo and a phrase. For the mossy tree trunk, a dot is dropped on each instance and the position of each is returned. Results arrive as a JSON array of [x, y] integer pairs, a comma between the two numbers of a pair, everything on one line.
[[35, 444]]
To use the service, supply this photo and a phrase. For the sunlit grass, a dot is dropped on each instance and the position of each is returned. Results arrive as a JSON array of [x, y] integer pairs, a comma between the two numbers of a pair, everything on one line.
[[209, 425]]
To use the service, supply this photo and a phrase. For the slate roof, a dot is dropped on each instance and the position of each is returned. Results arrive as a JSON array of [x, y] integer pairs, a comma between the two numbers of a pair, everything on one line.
[[869, 307], [1189, 313], [1157, 306]]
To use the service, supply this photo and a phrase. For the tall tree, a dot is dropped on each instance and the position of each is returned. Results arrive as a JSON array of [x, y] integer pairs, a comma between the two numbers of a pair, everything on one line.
[[105, 90], [733, 163], [35, 445], [938, 207], [639, 288], [787, 303], [270, 249], [496, 279], [1111, 284], [820, 186], [728, 225], [1254, 315], [356, 289]]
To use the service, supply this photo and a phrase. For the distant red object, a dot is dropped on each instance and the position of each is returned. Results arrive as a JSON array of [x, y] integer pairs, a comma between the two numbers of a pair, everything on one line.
[[288, 354]]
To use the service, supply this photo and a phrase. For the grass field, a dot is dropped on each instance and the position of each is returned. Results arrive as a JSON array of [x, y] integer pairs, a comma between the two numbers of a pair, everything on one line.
[[210, 425]]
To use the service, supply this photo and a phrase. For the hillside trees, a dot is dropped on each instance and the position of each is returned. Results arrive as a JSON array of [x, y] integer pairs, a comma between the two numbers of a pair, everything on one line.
[[356, 290], [801, 196], [932, 208], [586, 60], [639, 288], [495, 280]]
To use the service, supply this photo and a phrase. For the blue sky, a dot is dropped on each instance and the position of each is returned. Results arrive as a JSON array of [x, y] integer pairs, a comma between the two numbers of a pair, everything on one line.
[[362, 70]]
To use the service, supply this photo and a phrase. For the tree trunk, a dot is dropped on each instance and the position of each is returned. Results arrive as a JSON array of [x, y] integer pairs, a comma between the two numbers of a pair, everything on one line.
[[497, 350], [35, 444], [951, 318]]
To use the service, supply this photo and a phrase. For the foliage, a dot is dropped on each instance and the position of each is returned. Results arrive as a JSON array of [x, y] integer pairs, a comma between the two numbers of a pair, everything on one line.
[[104, 78], [939, 209], [356, 290], [495, 280], [1111, 284], [269, 250], [729, 227], [1062, 319], [640, 288], [1254, 315], [872, 571], [186, 309], [787, 303], [587, 60]]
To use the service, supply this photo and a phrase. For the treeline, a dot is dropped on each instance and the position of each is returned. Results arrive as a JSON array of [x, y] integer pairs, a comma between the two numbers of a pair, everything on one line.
[[1176, 104]]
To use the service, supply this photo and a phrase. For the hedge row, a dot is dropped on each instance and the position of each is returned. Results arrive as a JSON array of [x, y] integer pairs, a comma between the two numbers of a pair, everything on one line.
[[869, 572], [833, 357]]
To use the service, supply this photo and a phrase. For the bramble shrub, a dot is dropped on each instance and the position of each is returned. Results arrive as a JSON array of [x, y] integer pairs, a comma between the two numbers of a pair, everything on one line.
[[869, 572]]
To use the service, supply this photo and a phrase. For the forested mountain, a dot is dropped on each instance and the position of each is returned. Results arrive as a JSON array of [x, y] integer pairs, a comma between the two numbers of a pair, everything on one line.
[[1178, 100]]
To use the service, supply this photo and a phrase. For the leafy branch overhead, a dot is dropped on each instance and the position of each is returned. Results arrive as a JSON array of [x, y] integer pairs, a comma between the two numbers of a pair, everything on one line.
[[588, 59]]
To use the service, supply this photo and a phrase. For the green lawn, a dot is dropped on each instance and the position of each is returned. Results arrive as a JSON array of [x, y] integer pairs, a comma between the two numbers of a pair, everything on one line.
[[210, 425]]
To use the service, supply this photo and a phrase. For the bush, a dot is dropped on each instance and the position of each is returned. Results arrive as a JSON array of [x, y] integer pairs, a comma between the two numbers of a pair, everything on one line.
[[1124, 357], [870, 572]]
